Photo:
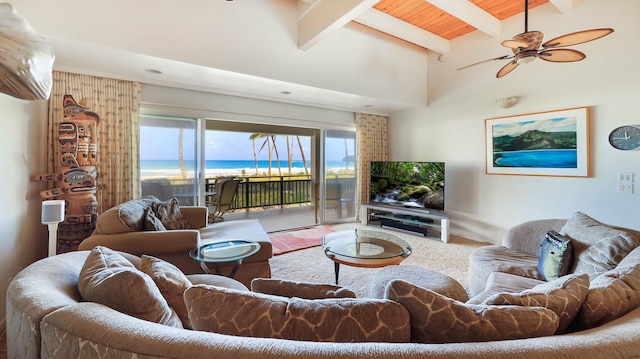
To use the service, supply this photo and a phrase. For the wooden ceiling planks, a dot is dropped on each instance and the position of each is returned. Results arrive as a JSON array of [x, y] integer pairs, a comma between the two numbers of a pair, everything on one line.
[[430, 18]]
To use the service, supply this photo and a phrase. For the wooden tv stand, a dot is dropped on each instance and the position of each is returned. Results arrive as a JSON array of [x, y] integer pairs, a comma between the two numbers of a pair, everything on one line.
[[414, 220]]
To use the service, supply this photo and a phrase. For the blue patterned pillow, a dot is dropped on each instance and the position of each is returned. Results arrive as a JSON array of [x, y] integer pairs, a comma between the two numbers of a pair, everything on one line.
[[556, 256]]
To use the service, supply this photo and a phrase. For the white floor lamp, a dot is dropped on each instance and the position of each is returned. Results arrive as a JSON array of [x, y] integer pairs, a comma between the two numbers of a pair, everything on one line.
[[52, 214]]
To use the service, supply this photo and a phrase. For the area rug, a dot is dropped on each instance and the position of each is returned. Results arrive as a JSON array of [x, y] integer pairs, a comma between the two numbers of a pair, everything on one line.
[[290, 241], [312, 265]]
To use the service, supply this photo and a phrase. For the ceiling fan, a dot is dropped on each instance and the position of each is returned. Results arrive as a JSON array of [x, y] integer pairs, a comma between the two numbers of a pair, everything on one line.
[[528, 46]]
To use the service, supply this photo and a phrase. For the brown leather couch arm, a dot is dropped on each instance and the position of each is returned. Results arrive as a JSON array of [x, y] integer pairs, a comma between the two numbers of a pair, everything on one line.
[[195, 215]]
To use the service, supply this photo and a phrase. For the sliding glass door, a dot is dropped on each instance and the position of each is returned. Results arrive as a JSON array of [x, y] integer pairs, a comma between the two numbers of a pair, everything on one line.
[[169, 160], [339, 185]]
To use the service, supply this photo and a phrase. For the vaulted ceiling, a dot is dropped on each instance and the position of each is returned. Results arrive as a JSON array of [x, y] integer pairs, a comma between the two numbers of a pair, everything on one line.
[[427, 23], [295, 51]]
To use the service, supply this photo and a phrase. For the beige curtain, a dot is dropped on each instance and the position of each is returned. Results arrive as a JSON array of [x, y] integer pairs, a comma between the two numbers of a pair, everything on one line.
[[371, 137], [117, 102]]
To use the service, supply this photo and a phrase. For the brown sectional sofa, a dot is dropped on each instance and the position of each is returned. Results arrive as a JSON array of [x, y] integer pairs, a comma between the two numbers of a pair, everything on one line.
[[123, 228], [47, 318]]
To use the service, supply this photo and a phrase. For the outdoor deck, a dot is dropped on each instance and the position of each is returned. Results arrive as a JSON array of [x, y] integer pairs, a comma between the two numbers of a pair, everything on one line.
[[274, 220]]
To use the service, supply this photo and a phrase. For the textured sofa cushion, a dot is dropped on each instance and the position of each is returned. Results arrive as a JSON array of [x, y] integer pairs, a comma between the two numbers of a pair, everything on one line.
[[150, 222], [171, 282], [108, 278], [563, 296], [439, 319], [251, 314], [126, 217], [556, 256], [611, 295], [286, 288], [169, 214], [597, 247]]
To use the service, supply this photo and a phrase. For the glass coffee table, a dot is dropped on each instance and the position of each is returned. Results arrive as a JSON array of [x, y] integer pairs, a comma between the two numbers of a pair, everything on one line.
[[224, 251], [364, 248]]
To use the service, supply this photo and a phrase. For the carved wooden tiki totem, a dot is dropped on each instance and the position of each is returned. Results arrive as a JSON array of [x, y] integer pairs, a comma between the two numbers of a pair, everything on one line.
[[75, 175]]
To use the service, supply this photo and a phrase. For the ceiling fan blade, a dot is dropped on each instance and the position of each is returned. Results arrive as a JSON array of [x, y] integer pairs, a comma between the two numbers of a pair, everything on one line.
[[561, 55], [576, 38], [507, 68], [485, 61], [515, 44]]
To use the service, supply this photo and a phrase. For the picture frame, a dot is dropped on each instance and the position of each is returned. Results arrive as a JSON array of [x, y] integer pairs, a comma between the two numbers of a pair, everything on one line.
[[552, 143]]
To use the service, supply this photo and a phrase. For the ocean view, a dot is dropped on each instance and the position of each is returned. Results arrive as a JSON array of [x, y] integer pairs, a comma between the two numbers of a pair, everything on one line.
[[537, 159], [213, 168]]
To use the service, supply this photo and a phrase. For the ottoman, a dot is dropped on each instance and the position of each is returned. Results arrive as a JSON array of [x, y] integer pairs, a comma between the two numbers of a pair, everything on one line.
[[420, 276]]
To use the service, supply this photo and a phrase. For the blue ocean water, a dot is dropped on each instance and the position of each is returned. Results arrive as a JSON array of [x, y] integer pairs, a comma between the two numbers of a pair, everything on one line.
[[169, 168], [537, 159]]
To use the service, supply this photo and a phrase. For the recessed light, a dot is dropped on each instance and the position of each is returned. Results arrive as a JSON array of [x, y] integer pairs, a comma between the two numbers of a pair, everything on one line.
[[367, 106], [153, 71], [285, 92]]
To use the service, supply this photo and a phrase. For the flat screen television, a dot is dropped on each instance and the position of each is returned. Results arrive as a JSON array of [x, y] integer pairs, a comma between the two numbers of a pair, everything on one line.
[[417, 185]]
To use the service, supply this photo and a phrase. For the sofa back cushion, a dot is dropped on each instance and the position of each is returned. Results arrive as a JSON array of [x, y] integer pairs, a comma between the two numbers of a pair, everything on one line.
[[126, 217], [110, 279], [250, 314], [598, 248], [611, 295], [564, 296], [170, 281], [437, 319], [286, 288]]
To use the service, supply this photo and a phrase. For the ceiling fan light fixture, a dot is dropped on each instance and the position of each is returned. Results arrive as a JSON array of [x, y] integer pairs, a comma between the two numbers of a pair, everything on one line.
[[507, 102], [526, 59]]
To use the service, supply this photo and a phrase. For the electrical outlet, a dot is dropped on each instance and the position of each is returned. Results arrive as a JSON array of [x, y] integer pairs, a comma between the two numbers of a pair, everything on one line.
[[625, 182]]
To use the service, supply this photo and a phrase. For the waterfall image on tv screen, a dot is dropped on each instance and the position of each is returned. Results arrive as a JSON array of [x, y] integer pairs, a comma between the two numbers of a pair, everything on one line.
[[408, 184]]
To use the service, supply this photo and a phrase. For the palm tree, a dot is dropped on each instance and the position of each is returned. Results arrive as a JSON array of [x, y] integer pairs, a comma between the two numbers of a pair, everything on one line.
[[255, 154], [304, 160], [270, 143]]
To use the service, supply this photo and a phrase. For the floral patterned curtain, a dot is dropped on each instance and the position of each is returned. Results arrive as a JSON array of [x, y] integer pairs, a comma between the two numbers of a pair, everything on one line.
[[371, 137], [117, 102]]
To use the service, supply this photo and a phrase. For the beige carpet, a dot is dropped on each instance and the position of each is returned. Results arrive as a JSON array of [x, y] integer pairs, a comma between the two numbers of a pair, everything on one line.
[[311, 265]]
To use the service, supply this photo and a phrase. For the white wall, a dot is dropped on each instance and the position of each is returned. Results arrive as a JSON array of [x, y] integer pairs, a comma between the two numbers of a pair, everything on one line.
[[256, 37], [451, 127], [24, 238], [175, 101]]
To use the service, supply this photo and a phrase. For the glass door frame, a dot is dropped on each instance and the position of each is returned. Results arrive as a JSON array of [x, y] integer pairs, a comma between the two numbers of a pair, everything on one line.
[[343, 204]]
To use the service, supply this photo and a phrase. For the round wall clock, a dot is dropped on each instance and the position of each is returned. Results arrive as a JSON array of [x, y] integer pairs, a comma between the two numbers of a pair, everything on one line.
[[626, 138]]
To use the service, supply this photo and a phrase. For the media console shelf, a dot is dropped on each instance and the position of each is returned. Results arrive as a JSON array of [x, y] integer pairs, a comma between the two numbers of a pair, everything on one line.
[[414, 220]]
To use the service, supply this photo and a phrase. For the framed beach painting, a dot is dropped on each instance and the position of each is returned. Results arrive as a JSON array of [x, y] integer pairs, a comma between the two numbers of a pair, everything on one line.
[[554, 143]]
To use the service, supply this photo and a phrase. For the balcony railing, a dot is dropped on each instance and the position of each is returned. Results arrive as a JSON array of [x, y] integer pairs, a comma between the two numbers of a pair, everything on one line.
[[253, 192]]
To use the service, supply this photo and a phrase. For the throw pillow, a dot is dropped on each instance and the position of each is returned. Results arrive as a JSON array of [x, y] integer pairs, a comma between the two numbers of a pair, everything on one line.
[[285, 288], [108, 278], [171, 282], [556, 256], [438, 319], [564, 296], [597, 247], [150, 222], [249, 314], [169, 214], [611, 295]]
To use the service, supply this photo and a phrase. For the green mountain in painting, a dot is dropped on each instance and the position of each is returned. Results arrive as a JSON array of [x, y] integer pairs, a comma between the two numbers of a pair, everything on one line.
[[535, 140]]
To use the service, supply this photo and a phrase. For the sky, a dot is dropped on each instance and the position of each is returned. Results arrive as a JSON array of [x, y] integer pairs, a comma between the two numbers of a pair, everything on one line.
[[162, 144]]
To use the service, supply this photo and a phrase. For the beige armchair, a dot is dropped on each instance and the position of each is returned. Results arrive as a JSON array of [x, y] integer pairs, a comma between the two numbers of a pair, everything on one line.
[[122, 228]]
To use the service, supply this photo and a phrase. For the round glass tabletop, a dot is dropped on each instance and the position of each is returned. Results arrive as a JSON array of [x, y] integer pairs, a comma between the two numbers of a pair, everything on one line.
[[224, 251], [363, 244]]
